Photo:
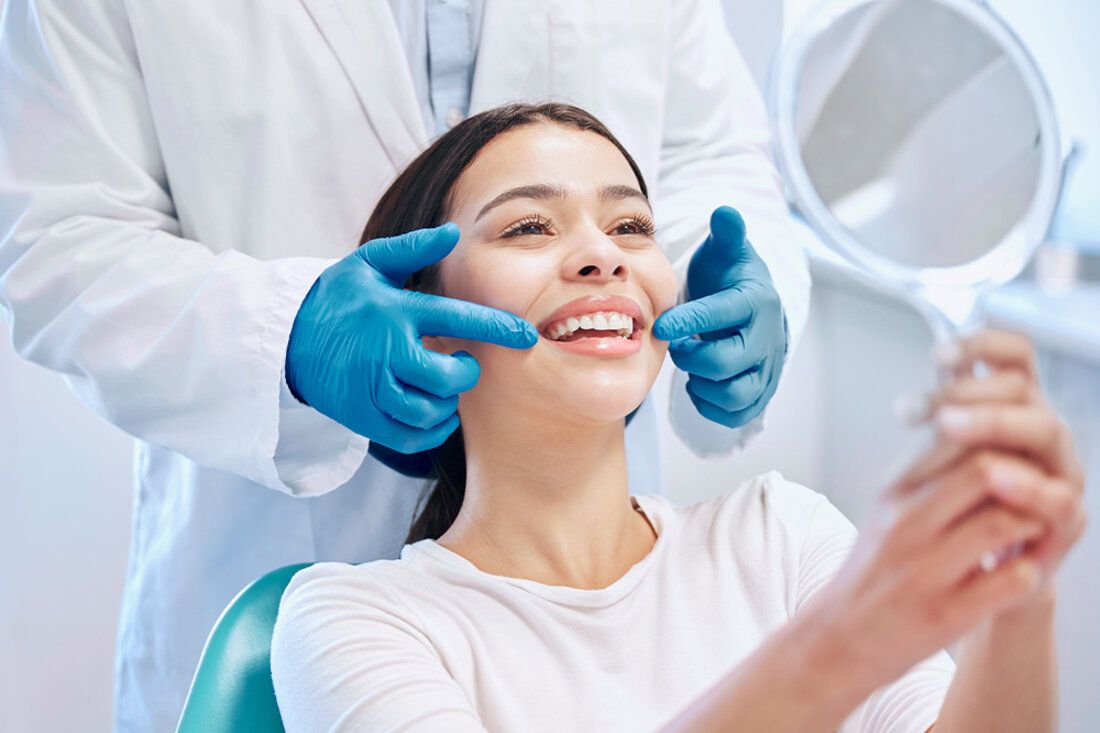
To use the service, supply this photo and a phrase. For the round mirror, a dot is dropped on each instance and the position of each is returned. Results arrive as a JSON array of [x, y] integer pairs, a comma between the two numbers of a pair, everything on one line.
[[917, 137]]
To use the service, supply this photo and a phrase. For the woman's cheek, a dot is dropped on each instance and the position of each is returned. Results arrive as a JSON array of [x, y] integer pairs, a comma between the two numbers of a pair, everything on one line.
[[662, 288], [493, 281], [502, 280]]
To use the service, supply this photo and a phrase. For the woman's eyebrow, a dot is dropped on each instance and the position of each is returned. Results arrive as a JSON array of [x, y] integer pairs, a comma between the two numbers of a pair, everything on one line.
[[541, 191], [534, 191], [619, 192]]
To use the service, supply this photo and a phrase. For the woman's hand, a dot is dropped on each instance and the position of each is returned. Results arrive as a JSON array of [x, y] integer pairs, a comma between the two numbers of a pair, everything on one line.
[[1005, 410], [1001, 473]]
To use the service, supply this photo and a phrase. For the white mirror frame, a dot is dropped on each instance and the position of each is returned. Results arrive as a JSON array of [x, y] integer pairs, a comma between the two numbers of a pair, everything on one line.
[[999, 265]]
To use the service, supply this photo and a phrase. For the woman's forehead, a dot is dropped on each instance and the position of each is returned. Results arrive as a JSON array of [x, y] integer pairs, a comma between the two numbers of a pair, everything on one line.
[[571, 161]]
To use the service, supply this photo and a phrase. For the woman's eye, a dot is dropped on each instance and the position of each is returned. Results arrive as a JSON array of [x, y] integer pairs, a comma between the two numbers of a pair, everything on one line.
[[528, 227], [634, 226]]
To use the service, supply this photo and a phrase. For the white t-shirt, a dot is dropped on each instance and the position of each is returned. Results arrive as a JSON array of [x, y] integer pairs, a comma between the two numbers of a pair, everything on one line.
[[430, 643]]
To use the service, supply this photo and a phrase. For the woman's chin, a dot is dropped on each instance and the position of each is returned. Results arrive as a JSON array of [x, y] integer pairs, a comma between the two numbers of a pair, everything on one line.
[[596, 405], [581, 391]]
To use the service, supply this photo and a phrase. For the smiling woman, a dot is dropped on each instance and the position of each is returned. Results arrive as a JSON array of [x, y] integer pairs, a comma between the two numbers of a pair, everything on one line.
[[555, 221], [536, 593]]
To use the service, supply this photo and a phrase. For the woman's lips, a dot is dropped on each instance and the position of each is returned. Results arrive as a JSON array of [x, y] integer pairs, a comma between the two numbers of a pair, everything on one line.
[[610, 344], [602, 346]]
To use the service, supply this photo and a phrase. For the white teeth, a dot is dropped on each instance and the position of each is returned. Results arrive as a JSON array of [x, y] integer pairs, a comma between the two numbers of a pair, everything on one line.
[[620, 323]]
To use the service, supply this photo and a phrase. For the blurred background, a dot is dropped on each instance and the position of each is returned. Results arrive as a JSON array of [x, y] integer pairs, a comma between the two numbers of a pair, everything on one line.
[[66, 474]]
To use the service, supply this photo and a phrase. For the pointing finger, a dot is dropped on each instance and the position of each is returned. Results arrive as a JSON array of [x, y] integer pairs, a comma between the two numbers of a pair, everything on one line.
[[440, 316], [726, 309]]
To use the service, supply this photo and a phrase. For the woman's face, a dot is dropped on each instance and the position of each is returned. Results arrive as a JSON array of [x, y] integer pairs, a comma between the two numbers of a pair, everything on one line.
[[555, 230]]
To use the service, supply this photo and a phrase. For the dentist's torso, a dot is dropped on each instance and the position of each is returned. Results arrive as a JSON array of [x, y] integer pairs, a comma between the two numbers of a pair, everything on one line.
[[279, 124]]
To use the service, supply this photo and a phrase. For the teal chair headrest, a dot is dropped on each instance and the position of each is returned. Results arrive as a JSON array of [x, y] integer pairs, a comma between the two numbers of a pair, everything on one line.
[[232, 689]]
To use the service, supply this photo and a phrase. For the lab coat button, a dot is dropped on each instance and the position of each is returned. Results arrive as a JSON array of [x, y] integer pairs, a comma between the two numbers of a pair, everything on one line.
[[453, 117]]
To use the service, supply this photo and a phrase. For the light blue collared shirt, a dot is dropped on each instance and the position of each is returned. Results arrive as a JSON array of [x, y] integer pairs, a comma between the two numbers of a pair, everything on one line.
[[440, 39]]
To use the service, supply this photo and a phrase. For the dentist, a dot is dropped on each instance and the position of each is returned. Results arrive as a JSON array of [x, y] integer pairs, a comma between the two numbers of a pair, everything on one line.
[[180, 187]]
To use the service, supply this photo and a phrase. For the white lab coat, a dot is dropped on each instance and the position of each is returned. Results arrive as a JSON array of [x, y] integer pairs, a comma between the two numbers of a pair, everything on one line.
[[174, 177]]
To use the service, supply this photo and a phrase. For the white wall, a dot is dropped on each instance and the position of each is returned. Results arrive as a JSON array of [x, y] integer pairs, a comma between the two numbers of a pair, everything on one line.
[[64, 536]]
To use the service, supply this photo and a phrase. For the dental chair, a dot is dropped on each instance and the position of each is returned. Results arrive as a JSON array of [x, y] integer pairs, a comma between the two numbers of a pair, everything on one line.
[[232, 689]]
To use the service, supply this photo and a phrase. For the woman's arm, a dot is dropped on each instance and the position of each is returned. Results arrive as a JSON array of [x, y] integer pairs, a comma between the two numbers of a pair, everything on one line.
[[1002, 475], [1007, 675], [801, 680]]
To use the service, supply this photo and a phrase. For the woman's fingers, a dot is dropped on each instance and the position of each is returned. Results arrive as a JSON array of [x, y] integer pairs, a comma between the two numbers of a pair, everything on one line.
[[1052, 500], [1058, 503], [999, 350], [1011, 379], [1032, 429], [970, 509], [954, 493], [991, 529], [1011, 387], [1005, 586]]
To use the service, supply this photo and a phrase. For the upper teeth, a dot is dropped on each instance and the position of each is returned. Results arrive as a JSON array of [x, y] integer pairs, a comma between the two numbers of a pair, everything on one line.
[[601, 321]]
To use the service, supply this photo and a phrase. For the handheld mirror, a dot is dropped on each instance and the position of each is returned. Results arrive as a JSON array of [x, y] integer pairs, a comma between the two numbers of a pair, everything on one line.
[[918, 138]]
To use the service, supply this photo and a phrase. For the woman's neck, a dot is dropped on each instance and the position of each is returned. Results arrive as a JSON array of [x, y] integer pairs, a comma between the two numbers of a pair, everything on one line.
[[548, 502]]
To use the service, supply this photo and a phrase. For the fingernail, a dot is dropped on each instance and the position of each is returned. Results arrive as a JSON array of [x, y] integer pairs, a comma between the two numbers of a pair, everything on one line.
[[912, 408], [954, 420], [947, 354]]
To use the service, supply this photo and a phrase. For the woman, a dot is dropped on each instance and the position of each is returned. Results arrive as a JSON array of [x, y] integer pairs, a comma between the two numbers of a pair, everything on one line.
[[536, 594]]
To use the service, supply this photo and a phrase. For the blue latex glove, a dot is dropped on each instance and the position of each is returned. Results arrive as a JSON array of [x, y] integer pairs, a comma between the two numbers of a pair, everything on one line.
[[355, 353], [734, 365]]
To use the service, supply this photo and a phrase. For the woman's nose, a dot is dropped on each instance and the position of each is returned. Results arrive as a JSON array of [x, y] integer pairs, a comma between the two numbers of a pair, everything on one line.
[[596, 260]]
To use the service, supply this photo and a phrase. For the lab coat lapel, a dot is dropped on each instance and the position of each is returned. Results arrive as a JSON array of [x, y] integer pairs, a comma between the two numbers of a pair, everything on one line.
[[364, 38]]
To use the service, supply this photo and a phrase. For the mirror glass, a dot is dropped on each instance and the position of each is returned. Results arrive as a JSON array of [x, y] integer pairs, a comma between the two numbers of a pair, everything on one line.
[[918, 138]]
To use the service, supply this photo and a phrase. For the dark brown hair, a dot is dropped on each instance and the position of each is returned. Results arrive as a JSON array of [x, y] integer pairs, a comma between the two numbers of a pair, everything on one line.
[[420, 198]]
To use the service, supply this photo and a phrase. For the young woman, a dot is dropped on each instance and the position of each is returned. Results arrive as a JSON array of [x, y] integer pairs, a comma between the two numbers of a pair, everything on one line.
[[537, 594]]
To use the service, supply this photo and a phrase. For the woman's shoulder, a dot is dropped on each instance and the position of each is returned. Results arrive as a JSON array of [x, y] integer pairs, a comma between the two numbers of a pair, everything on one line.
[[768, 495], [337, 585], [765, 507]]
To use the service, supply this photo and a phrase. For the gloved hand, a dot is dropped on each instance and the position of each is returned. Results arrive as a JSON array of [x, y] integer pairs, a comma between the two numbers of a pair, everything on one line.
[[355, 353], [734, 365]]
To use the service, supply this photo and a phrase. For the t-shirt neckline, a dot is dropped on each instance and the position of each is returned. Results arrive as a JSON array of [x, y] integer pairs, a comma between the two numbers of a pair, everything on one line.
[[651, 508]]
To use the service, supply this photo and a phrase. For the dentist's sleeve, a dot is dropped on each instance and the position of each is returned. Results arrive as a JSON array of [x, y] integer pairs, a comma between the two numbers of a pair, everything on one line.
[[175, 344], [715, 152]]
